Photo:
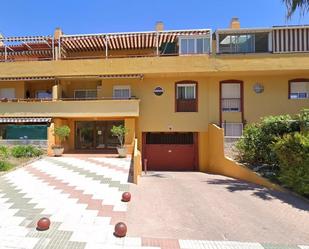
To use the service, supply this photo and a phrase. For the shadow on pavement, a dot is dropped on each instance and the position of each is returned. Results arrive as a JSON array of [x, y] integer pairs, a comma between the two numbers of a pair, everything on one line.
[[234, 185]]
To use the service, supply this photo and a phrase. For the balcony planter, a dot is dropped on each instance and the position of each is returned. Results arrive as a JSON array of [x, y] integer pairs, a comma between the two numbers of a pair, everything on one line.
[[122, 152], [120, 132], [58, 150], [62, 133]]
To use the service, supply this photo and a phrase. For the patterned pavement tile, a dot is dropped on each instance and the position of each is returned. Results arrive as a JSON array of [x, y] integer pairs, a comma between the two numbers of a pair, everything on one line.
[[122, 186], [29, 193], [82, 197], [273, 246]]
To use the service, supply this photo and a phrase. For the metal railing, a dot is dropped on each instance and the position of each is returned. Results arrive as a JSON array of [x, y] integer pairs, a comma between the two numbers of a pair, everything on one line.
[[16, 100], [186, 105], [231, 104]]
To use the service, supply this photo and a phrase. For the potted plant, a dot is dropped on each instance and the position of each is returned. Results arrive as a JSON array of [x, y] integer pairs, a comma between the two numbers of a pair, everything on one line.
[[62, 132], [120, 132]]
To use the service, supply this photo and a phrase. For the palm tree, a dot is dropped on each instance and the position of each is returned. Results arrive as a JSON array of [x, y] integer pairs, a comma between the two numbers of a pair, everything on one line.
[[292, 5]]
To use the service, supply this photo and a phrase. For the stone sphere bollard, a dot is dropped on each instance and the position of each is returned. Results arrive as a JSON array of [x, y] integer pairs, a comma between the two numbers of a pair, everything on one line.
[[126, 197], [120, 230], [43, 224]]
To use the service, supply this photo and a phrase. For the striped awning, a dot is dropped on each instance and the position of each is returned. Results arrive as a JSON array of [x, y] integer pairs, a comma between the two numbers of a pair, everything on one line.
[[24, 120], [118, 41], [27, 78], [291, 39]]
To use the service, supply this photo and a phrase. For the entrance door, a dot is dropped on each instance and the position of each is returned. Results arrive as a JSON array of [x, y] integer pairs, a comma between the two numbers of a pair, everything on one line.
[[84, 135], [95, 135]]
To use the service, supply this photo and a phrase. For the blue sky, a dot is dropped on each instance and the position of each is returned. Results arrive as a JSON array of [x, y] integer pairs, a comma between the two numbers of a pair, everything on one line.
[[39, 17]]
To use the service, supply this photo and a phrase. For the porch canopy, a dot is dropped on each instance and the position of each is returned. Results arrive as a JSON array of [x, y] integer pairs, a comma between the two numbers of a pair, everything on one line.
[[39, 47]]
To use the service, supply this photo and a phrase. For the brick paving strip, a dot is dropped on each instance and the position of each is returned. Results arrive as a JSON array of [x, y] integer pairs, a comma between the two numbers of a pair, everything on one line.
[[110, 166], [102, 179]]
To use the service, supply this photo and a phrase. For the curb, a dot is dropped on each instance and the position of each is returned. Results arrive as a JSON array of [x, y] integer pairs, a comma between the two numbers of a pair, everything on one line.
[[22, 165]]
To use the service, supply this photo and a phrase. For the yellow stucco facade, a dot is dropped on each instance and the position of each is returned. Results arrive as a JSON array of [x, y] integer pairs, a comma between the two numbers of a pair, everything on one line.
[[157, 113], [147, 112]]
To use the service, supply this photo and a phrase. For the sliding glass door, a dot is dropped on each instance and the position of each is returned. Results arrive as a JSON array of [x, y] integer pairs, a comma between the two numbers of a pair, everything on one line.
[[95, 135]]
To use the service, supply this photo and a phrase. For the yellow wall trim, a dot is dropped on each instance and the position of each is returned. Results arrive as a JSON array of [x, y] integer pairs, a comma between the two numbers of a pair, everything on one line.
[[220, 164]]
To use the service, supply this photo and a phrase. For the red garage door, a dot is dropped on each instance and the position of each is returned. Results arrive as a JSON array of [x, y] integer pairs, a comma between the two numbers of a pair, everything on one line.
[[170, 151]]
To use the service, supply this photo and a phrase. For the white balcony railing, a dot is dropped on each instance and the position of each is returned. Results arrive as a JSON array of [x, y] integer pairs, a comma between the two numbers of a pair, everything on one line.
[[231, 104]]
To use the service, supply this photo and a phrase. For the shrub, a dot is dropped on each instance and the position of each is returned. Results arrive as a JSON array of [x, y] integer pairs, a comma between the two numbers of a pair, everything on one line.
[[293, 153], [25, 151], [255, 146], [62, 132], [5, 166], [119, 132], [303, 118], [4, 152]]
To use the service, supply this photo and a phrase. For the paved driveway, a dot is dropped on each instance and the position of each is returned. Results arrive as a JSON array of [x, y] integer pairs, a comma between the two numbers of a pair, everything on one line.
[[81, 196], [209, 207]]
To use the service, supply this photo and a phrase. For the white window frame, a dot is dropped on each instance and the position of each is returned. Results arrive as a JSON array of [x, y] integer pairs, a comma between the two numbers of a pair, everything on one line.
[[122, 87], [186, 85], [234, 47], [298, 93], [86, 90], [195, 37], [231, 109]]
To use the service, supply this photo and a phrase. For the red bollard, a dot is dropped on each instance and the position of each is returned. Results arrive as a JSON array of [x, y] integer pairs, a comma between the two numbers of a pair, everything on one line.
[[120, 230], [126, 197], [43, 224]]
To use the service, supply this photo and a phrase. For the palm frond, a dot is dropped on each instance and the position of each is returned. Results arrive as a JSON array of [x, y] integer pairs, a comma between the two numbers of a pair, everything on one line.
[[293, 5]]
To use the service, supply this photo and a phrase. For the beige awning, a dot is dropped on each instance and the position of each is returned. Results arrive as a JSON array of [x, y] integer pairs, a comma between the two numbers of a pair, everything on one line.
[[27, 78], [118, 41], [24, 120]]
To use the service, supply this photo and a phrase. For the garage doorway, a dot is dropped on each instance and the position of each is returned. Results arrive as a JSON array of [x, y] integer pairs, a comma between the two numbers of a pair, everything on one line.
[[170, 151]]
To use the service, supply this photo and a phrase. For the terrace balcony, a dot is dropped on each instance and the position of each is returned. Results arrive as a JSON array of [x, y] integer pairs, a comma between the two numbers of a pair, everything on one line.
[[99, 107], [112, 45]]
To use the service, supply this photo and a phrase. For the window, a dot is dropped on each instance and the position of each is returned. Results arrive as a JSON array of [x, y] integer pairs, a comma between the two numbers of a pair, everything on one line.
[[231, 97], [85, 94], [243, 43], [43, 94], [122, 92], [186, 97], [232, 129], [185, 91], [194, 45], [299, 90], [7, 93]]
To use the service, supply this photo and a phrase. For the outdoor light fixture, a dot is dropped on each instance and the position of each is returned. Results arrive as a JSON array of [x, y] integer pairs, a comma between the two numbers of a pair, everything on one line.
[[158, 91], [258, 88]]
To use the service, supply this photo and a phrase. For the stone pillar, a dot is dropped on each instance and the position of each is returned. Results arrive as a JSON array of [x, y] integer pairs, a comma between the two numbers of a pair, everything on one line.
[[50, 139], [57, 92], [57, 33]]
